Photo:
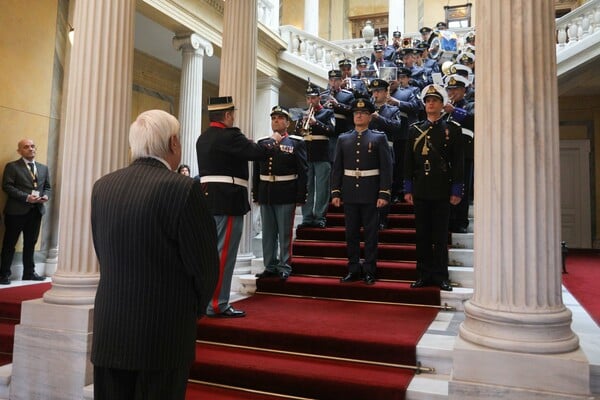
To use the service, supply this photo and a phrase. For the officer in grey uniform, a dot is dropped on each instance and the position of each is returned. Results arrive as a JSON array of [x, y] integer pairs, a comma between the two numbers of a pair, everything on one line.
[[433, 181], [278, 185], [361, 178]]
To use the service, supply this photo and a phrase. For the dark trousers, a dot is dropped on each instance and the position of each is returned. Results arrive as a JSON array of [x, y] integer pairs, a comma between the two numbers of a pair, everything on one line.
[[120, 384], [459, 214], [431, 219], [29, 224], [399, 150], [364, 215]]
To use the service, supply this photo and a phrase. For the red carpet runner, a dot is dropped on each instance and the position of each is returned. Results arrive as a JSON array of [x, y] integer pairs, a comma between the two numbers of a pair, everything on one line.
[[582, 280]]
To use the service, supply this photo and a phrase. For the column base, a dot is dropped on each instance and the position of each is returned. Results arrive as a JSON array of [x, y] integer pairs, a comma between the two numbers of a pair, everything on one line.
[[72, 289], [51, 358], [482, 373]]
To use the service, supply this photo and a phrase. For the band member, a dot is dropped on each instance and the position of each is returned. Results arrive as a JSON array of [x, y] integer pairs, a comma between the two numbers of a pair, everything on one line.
[[278, 185], [316, 128], [349, 82], [339, 100], [428, 64], [426, 34], [361, 179], [460, 110], [433, 174], [378, 59], [409, 59], [385, 119], [396, 41], [362, 63]]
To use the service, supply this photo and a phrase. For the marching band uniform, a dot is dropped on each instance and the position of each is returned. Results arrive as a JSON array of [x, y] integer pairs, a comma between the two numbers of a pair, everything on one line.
[[278, 184], [433, 172], [340, 106], [362, 174], [355, 84]]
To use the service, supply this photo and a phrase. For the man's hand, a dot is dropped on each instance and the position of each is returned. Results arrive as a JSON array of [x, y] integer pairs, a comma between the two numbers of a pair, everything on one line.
[[32, 199], [408, 198], [276, 136], [454, 200], [375, 115], [336, 202], [381, 203]]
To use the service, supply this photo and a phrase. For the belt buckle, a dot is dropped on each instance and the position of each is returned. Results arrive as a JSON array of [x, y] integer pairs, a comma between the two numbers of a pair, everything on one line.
[[308, 137], [272, 178], [357, 174]]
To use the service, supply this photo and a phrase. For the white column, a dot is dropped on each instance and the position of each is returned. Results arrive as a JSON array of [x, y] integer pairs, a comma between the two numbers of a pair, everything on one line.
[[238, 79], [311, 17], [193, 47], [395, 17], [516, 341], [52, 344]]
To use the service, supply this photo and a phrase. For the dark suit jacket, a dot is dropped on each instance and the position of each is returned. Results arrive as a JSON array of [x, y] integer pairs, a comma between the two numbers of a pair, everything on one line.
[[157, 246], [17, 182]]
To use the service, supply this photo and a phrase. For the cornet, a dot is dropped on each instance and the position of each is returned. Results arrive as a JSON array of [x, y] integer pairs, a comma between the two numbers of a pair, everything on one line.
[[306, 123]]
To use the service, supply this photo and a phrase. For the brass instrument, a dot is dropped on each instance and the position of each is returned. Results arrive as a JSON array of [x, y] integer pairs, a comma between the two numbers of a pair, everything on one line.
[[305, 130], [446, 70], [407, 43]]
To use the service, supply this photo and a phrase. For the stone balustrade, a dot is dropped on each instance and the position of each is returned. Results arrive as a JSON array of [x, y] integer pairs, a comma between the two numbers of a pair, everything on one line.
[[577, 25], [266, 14], [312, 49]]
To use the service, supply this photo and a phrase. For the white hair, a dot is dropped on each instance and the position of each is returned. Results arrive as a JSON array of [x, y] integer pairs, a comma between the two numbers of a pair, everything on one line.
[[150, 133]]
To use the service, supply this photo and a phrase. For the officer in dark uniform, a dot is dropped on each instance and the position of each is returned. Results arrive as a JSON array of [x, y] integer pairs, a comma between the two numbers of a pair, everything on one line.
[[396, 42], [407, 99], [433, 173], [362, 179], [388, 51], [316, 128], [426, 34], [349, 82], [385, 119], [467, 73], [223, 154], [460, 110], [409, 58], [429, 65], [339, 100], [278, 185]]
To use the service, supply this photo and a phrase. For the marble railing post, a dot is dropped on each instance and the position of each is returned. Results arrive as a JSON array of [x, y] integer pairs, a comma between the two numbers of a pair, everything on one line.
[[52, 343], [239, 48], [193, 47], [516, 341]]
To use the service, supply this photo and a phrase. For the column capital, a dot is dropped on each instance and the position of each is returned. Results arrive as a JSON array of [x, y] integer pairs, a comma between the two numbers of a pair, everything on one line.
[[268, 82], [193, 42]]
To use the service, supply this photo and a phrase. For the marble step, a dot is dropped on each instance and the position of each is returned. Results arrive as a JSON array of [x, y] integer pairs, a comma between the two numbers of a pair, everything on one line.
[[460, 257], [462, 240], [428, 387], [5, 374]]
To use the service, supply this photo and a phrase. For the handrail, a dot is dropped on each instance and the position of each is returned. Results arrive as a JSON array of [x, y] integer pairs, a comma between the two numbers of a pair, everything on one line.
[[577, 24]]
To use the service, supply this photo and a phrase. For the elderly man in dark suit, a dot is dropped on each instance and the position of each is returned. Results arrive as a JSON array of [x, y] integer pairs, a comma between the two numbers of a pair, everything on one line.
[[27, 184], [156, 244]]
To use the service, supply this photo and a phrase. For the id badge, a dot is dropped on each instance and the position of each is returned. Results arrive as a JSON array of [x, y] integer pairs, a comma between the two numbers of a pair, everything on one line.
[[35, 193]]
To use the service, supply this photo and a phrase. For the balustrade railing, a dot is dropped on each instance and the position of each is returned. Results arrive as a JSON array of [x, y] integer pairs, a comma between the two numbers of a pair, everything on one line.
[[577, 25]]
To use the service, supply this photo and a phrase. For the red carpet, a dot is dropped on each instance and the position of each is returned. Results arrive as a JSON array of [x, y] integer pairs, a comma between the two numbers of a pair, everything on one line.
[[582, 280]]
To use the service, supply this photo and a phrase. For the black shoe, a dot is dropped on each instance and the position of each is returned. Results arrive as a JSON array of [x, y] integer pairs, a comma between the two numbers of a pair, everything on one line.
[[445, 285], [351, 277], [369, 279], [320, 224], [229, 313], [4, 280], [283, 275], [382, 226], [33, 277], [419, 283], [459, 229], [305, 225], [266, 274]]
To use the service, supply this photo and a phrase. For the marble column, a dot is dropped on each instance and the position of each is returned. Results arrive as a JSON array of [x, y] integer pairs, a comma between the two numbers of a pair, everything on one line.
[[193, 48], [516, 341], [311, 17], [395, 17], [53, 341], [239, 49]]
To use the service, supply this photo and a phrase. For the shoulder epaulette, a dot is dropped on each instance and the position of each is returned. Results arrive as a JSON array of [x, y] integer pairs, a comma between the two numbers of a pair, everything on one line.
[[263, 138], [296, 137], [346, 91], [454, 122]]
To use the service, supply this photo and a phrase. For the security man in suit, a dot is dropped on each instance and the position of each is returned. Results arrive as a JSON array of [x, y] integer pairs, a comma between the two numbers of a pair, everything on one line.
[[27, 184], [361, 179], [278, 185], [349, 82], [433, 181], [339, 100], [223, 153], [462, 111], [385, 119], [316, 128]]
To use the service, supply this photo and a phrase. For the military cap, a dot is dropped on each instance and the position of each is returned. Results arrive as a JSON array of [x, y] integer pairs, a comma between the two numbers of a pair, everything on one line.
[[441, 25], [469, 48], [470, 38], [381, 36], [461, 70], [456, 81], [404, 71], [434, 90], [406, 51], [220, 103], [335, 73], [467, 58], [278, 110], [379, 84], [378, 47], [398, 61], [422, 46], [313, 90], [345, 63], [425, 30], [363, 61], [397, 34], [361, 104]]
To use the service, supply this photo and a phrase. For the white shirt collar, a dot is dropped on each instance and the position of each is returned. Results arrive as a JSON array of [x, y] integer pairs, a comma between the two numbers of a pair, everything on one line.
[[162, 160]]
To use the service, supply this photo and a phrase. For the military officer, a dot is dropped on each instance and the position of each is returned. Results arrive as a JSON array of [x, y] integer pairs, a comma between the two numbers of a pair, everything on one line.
[[433, 181], [339, 100], [378, 59], [429, 65], [361, 179], [426, 34], [462, 111], [349, 82], [316, 128], [278, 186], [396, 42], [409, 58]]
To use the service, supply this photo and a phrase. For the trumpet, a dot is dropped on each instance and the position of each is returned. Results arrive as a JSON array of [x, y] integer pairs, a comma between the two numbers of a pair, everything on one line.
[[305, 130], [349, 84], [406, 42]]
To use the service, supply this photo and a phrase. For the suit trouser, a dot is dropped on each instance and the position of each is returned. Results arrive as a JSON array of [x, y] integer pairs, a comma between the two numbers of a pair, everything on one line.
[[365, 215], [277, 224], [121, 384], [29, 224], [313, 211], [431, 219], [229, 233]]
